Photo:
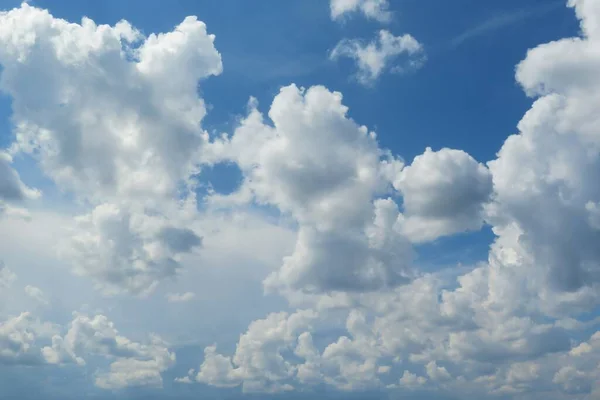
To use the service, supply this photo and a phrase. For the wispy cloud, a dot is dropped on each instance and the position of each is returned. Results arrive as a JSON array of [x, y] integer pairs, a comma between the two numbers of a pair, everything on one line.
[[503, 20]]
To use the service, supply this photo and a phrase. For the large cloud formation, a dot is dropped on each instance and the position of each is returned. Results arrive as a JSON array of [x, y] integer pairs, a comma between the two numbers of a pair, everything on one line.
[[114, 117], [503, 328], [308, 164]]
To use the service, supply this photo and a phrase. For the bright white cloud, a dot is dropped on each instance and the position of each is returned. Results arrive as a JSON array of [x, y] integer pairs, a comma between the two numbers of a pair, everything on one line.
[[373, 9], [134, 364], [308, 163], [444, 193], [19, 340], [124, 131], [385, 53], [126, 137], [115, 118], [505, 327]]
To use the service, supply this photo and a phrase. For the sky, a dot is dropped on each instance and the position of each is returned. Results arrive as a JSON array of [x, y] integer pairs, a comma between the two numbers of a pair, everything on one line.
[[337, 199]]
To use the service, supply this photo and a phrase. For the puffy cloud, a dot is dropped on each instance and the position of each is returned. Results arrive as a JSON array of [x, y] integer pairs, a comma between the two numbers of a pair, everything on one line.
[[180, 297], [308, 163], [135, 364], [258, 362], [373, 9], [381, 55], [504, 327], [19, 340], [411, 380], [131, 128], [545, 178], [114, 117], [444, 192], [126, 249]]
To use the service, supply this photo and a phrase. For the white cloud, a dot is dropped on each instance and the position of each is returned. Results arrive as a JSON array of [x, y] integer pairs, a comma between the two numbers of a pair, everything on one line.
[[308, 164], [258, 362], [386, 53], [412, 380], [373, 9], [134, 364], [444, 193], [504, 327], [125, 137], [180, 297], [124, 249], [132, 128], [37, 294], [19, 340]]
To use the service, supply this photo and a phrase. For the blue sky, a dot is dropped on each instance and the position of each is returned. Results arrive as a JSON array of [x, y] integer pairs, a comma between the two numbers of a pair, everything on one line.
[[188, 216]]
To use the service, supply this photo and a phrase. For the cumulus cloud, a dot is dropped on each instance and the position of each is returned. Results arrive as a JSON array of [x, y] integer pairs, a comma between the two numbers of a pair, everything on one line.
[[126, 249], [125, 137], [131, 129], [385, 53], [444, 192], [308, 163], [134, 364], [505, 327], [258, 362], [115, 118], [20, 340], [373, 9]]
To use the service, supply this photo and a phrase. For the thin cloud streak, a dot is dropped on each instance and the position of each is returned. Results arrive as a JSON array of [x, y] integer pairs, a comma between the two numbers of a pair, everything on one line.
[[503, 20]]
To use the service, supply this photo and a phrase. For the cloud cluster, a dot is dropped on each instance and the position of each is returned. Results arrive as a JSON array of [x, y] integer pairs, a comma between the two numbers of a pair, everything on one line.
[[133, 364], [373, 9], [386, 52], [443, 192], [308, 163], [506, 327], [113, 117]]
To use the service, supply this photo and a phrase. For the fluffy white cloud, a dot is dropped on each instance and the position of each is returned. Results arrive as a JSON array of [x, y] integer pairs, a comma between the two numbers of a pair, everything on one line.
[[135, 364], [114, 117], [545, 177], [386, 53], [123, 248], [20, 340], [444, 193], [258, 362], [506, 327], [308, 163], [131, 128], [374, 9]]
